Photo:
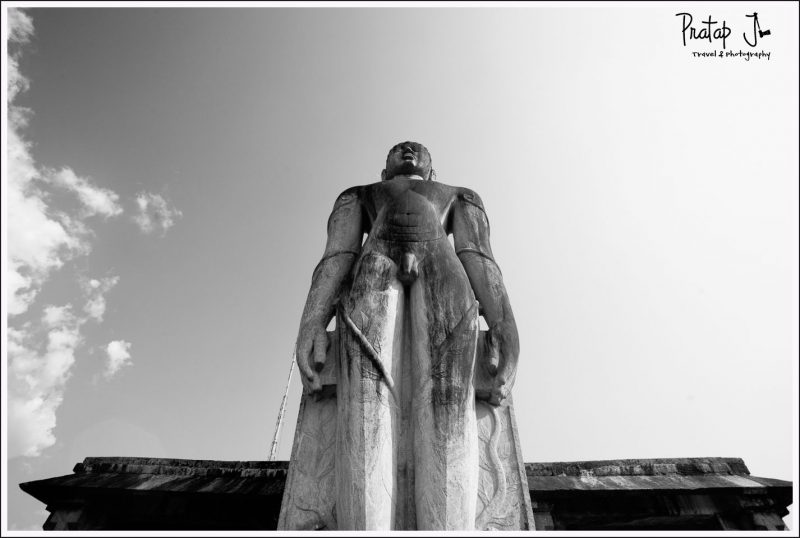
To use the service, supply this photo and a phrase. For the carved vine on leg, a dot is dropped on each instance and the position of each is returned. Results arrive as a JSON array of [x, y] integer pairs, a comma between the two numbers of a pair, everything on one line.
[[499, 496]]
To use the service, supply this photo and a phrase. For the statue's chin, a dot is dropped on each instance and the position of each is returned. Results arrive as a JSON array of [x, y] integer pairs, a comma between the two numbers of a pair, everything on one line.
[[409, 168], [406, 176]]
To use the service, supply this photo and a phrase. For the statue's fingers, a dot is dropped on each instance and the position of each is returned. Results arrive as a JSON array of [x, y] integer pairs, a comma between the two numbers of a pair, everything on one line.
[[499, 392], [307, 385], [506, 372], [307, 382], [320, 350], [311, 383], [496, 397], [303, 353]]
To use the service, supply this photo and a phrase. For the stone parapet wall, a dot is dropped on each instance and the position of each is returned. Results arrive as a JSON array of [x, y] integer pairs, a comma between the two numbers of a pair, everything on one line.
[[643, 494], [655, 494]]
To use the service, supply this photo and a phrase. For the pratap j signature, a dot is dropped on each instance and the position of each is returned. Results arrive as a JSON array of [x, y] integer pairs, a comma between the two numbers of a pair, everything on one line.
[[710, 31]]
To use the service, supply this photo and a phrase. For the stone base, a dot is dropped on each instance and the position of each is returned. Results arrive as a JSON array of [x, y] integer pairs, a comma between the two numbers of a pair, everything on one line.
[[171, 494]]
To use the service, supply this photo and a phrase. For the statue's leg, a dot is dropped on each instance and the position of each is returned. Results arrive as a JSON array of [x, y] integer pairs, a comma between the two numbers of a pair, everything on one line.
[[444, 321], [370, 323]]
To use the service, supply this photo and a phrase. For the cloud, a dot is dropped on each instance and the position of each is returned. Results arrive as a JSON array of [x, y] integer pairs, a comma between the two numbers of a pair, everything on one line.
[[95, 306], [20, 26], [37, 377], [37, 242], [95, 200], [55, 316], [41, 239], [20, 30], [118, 355], [155, 213], [34, 239]]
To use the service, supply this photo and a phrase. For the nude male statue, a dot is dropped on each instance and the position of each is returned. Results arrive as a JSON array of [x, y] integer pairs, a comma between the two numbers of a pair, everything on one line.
[[407, 303]]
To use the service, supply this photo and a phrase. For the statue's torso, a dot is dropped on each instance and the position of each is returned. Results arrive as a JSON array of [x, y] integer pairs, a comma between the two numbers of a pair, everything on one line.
[[408, 210]]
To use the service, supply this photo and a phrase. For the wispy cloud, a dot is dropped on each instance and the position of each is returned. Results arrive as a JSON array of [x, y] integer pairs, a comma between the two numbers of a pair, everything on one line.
[[20, 30], [117, 355], [20, 26], [37, 242], [37, 375], [95, 290], [155, 214], [41, 239], [95, 200], [40, 359]]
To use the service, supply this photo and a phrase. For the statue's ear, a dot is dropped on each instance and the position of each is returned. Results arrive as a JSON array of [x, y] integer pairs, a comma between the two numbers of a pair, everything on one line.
[[383, 175], [432, 175]]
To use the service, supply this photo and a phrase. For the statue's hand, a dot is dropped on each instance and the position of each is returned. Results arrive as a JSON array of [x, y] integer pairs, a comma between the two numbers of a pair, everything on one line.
[[502, 341], [312, 347]]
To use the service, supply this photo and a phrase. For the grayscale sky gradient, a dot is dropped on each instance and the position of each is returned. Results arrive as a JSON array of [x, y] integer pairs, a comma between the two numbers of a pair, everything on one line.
[[643, 207]]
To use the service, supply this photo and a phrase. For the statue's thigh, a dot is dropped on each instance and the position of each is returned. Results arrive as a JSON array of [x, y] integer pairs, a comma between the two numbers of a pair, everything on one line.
[[444, 318], [370, 328], [371, 322]]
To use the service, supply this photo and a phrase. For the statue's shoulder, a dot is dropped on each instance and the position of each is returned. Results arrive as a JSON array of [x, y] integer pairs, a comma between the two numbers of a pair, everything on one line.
[[469, 196], [352, 192], [349, 196]]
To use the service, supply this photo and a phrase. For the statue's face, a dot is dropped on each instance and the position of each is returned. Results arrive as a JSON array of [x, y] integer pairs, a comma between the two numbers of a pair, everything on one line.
[[408, 158]]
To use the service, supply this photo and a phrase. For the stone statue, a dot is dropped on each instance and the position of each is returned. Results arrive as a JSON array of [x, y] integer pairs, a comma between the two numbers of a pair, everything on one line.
[[406, 453]]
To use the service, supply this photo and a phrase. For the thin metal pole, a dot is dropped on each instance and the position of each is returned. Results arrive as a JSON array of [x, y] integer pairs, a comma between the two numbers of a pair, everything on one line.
[[278, 424]]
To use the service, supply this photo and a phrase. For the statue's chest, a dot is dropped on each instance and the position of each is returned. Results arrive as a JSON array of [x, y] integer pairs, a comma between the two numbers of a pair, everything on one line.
[[411, 197], [408, 210]]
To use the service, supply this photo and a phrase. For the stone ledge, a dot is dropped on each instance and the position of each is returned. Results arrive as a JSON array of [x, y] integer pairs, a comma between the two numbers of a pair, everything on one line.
[[645, 494], [664, 474], [641, 467], [163, 466], [162, 475]]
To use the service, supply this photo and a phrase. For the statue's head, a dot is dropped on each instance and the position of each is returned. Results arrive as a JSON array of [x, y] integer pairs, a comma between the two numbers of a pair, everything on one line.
[[410, 159]]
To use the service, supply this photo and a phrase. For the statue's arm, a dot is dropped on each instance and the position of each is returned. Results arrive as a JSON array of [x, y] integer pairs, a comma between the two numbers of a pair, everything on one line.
[[470, 228], [345, 231]]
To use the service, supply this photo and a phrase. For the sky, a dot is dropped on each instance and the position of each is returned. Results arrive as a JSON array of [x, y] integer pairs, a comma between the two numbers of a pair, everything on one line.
[[170, 172]]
